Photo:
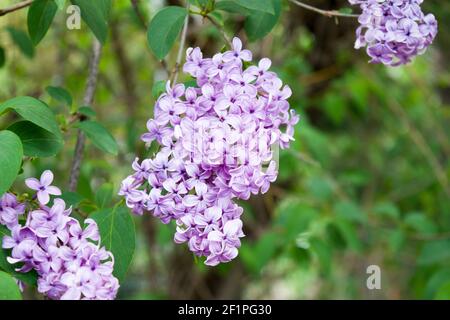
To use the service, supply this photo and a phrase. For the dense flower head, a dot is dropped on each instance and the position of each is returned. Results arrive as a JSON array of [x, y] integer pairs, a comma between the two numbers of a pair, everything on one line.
[[68, 259], [394, 31], [217, 143]]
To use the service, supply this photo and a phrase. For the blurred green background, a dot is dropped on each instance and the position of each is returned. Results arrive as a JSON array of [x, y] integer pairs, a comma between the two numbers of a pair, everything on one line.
[[365, 183]]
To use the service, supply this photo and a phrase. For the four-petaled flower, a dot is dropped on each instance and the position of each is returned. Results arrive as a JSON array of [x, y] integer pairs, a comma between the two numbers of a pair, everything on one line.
[[43, 187]]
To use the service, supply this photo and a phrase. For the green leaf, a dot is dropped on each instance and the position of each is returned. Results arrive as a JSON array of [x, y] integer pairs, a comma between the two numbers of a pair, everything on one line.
[[29, 278], [72, 198], [40, 17], [420, 222], [435, 252], [256, 256], [21, 39], [350, 211], [33, 110], [387, 209], [443, 292], [200, 3], [266, 6], [320, 187], [346, 10], [323, 253], [10, 159], [232, 7], [158, 88], [259, 24], [36, 141], [60, 94], [87, 111], [99, 135], [2, 57], [206, 5], [94, 13], [164, 29], [349, 233], [434, 282], [60, 4], [9, 290], [192, 83], [118, 236], [104, 195], [396, 240], [105, 8], [293, 218]]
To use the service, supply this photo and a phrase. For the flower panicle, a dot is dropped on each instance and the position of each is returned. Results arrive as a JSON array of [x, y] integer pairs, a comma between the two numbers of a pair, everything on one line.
[[218, 143], [394, 31], [68, 258]]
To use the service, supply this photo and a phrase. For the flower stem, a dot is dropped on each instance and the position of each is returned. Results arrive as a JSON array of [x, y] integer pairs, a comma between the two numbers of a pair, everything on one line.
[[176, 68], [327, 13], [87, 101], [220, 28], [16, 7]]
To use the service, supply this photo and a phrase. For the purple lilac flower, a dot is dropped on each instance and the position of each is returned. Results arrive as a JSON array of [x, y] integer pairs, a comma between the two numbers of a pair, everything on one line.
[[216, 146], [10, 210], [68, 258], [394, 31], [43, 187]]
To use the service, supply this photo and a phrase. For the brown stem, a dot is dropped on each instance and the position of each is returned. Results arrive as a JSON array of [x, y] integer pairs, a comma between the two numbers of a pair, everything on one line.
[[176, 68], [219, 27], [16, 7], [125, 68], [87, 101], [135, 4], [327, 13]]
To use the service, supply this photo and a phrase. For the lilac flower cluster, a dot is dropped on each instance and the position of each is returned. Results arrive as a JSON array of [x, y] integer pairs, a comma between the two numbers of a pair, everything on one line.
[[216, 144], [394, 31], [69, 261]]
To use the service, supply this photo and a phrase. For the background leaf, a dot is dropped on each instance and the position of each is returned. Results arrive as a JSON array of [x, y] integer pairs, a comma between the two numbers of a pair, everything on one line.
[[33, 110], [94, 13], [118, 236], [21, 39], [60, 94], [10, 159], [99, 135], [9, 290], [36, 141], [259, 24], [60, 4], [164, 29], [87, 111], [258, 5], [103, 196], [40, 17], [232, 7], [435, 252]]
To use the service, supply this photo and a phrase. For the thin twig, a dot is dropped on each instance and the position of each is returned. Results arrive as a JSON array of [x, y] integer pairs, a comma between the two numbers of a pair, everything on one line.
[[219, 27], [176, 68], [16, 7], [135, 4], [87, 101], [327, 13]]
